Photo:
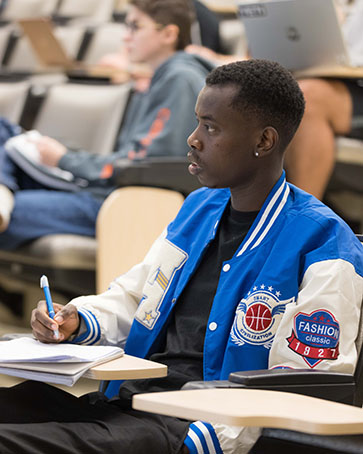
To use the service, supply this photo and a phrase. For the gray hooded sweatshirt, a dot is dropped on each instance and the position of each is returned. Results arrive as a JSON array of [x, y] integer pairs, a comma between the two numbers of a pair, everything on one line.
[[157, 122]]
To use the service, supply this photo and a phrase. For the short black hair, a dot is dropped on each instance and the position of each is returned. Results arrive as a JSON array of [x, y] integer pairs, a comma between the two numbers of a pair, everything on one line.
[[165, 12], [266, 91]]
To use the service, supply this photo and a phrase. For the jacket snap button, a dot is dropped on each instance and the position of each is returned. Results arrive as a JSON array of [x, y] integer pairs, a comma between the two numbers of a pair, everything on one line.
[[226, 267], [213, 326]]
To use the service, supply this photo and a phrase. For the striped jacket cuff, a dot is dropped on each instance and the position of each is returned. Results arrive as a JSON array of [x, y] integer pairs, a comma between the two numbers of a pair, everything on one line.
[[92, 332], [202, 439]]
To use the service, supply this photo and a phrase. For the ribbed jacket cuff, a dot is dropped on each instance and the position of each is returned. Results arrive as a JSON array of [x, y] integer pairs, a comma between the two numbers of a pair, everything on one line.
[[202, 439], [92, 333]]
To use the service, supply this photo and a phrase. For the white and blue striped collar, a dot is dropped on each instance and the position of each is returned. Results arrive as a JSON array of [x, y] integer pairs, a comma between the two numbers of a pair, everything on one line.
[[267, 216]]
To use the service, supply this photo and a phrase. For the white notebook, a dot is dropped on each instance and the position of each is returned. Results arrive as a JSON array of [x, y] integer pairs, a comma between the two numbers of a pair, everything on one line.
[[64, 364], [23, 151]]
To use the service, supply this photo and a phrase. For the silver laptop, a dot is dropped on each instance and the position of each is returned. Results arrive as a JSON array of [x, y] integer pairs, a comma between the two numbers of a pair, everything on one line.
[[298, 34]]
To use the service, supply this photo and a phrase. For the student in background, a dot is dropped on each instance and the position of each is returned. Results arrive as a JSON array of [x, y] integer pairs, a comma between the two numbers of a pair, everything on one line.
[[205, 33], [333, 107], [248, 271], [157, 123]]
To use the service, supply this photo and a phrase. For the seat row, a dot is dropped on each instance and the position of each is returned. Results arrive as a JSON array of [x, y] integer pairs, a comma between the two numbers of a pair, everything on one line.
[[89, 10], [86, 116], [77, 42]]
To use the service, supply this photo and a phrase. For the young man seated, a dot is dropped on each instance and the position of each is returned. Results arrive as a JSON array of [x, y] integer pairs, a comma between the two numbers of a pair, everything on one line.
[[248, 273], [157, 123]]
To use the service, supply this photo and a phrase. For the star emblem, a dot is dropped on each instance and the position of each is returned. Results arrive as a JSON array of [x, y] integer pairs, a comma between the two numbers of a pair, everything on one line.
[[148, 316]]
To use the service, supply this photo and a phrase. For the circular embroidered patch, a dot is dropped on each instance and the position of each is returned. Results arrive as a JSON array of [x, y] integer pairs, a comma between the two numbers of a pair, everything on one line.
[[257, 317]]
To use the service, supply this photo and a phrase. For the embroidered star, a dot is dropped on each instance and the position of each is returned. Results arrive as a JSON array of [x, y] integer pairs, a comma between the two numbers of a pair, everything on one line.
[[148, 316], [278, 293], [254, 288], [263, 286], [270, 288]]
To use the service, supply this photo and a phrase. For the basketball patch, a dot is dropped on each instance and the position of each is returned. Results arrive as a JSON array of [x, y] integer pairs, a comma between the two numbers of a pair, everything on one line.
[[315, 337], [258, 316]]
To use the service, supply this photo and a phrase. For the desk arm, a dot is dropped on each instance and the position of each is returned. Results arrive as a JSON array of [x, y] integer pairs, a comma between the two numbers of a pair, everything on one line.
[[163, 172], [333, 386], [126, 367]]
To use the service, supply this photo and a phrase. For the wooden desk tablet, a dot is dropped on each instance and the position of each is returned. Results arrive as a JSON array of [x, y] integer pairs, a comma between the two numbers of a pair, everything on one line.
[[252, 407], [341, 72], [127, 367]]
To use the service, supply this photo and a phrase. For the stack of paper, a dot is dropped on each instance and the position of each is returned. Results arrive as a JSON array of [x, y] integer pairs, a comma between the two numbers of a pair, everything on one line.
[[64, 364], [24, 152]]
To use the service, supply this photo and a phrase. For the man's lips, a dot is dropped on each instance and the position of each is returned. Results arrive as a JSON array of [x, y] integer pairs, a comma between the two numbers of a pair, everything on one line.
[[194, 166]]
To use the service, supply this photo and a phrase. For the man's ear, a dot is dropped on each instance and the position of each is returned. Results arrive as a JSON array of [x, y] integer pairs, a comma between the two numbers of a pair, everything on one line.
[[269, 141], [171, 34]]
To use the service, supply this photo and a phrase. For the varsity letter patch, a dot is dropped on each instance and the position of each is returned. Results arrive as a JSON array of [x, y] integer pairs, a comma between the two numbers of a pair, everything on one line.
[[158, 283], [315, 337], [258, 316]]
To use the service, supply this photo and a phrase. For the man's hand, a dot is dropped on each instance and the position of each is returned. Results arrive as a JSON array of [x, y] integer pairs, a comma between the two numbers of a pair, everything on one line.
[[50, 150], [66, 320]]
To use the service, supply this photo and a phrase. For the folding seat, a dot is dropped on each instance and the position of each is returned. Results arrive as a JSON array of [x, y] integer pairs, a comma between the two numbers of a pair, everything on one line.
[[12, 99]]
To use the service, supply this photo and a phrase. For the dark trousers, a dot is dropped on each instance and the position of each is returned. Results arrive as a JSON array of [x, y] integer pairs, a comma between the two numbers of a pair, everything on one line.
[[38, 418]]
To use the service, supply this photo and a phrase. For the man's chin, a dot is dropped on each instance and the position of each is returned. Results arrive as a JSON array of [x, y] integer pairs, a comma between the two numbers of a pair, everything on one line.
[[208, 183]]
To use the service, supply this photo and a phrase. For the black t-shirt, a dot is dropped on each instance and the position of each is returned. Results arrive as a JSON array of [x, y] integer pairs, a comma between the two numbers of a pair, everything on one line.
[[184, 337]]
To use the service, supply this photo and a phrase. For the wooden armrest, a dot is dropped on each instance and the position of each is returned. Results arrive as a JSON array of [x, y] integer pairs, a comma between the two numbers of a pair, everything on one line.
[[162, 172], [125, 368], [335, 386], [281, 377]]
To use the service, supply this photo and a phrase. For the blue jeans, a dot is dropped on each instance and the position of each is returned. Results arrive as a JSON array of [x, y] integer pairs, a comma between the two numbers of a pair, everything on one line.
[[39, 211]]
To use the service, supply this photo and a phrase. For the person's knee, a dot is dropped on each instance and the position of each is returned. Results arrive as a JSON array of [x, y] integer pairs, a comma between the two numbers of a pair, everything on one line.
[[315, 93], [329, 101]]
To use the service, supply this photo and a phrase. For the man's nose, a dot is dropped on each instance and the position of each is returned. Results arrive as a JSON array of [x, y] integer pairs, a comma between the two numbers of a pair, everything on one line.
[[193, 142]]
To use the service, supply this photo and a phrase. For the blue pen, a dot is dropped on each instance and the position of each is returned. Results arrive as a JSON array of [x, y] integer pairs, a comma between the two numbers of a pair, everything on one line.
[[44, 284]]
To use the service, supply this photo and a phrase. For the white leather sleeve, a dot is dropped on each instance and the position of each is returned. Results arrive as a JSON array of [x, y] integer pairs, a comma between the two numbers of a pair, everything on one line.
[[236, 439], [332, 286], [114, 309]]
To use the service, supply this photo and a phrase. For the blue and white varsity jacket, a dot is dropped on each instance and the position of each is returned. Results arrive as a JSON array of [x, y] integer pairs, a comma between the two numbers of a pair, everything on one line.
[[289, 297]]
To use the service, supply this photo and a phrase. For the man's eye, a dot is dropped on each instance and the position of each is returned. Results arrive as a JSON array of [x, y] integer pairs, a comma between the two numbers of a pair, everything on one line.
[[209, 128]]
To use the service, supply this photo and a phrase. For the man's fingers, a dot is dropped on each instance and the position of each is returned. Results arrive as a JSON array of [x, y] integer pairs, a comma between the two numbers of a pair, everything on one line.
[[42, 325], [40, 315], [43, 333], [48, 339], [66, 321], [66, 313]]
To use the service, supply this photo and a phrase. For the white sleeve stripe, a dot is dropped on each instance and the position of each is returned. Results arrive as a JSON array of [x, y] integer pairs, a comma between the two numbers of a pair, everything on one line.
[[92, 326], [195, 439], [207, 436]]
